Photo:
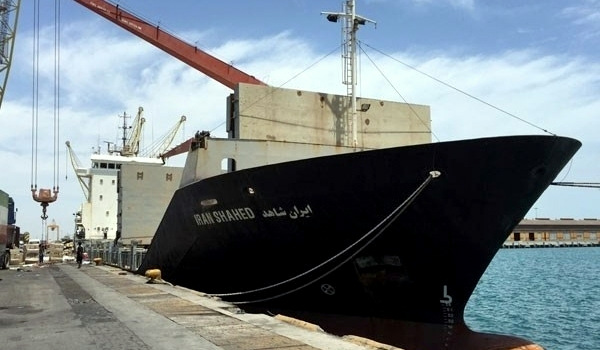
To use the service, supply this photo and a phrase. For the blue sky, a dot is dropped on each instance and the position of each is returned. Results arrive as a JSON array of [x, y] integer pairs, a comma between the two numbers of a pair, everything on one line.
[[536, 60]]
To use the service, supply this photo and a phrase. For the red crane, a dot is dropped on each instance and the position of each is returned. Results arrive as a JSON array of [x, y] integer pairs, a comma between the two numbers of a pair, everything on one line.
[[218, 70]]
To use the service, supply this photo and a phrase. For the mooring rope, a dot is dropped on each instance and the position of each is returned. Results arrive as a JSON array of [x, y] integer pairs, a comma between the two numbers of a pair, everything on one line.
[[379, 229]]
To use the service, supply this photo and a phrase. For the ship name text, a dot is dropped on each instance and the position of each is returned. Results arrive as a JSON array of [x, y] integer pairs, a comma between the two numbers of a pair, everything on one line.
[[246, 213], [222, 216]]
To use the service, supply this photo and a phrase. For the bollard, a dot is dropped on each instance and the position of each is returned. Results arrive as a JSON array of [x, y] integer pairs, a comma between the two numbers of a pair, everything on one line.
[[153, 274]]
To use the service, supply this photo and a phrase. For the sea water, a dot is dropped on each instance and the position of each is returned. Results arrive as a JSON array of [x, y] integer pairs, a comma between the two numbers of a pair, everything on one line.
[[550, 296]]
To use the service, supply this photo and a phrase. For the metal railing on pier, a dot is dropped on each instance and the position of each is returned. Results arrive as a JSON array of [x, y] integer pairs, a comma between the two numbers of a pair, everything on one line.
[[125, 257]]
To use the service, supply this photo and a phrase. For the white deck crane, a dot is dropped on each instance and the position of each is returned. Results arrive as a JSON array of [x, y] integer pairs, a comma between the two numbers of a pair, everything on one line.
[[83, 173], [131, 141], [156, 149]]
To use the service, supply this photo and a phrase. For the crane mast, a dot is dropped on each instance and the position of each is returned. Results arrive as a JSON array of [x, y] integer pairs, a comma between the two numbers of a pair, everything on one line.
[[9, 16], [191, 55]]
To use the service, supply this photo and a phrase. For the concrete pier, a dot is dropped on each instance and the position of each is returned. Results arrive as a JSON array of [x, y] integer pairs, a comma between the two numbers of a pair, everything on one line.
[[58, 306]]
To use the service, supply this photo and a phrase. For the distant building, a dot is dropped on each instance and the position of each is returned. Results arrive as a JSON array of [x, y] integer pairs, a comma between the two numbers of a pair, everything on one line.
[[563, 232]]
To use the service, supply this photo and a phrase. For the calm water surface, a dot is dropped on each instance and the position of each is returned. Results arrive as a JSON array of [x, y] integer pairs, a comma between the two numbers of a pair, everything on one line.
[[548, 295]]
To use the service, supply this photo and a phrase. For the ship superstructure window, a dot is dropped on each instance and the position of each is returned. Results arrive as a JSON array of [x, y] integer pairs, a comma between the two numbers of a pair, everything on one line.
[[100, 197], [107, 212], [107, 166], [101, 181], [113, 182]]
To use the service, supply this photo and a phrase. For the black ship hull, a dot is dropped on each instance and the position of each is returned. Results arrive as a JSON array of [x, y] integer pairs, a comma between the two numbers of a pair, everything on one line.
[[365, 243]]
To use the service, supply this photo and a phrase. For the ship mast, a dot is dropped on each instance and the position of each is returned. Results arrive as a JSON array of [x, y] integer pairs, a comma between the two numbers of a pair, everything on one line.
[[351, 21]]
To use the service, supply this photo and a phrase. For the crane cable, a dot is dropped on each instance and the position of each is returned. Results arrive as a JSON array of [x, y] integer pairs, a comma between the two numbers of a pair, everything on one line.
[[56, 92], [34, 100], [44, 196]]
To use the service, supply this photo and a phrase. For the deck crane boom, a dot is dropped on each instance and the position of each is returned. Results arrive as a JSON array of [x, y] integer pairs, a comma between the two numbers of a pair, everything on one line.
[[163, 143], [83, 175], [216, 69]]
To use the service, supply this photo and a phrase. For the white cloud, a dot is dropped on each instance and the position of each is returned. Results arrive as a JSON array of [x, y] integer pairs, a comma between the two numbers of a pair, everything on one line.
[[587, 15]]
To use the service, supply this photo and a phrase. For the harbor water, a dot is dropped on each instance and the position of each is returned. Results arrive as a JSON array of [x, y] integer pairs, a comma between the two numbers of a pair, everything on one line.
[[548, 295]]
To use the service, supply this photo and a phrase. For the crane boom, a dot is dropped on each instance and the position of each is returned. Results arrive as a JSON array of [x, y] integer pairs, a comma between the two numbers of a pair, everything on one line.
[[216, 69], [81, 172], [157, 148], [181, 148]]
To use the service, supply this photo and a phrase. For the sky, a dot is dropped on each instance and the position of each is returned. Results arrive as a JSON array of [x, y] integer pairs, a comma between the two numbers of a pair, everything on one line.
[[534, 64]]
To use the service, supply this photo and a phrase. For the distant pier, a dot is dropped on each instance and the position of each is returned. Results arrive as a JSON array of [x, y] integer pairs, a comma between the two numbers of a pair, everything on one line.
[[549, 244], [555, 233]]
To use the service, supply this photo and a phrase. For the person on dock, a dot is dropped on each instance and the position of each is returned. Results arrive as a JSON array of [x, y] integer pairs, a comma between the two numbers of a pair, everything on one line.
[[79, 255], [40, 254]]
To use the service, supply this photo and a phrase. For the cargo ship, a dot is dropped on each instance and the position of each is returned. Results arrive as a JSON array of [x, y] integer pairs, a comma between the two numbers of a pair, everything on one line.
[[338, 209]]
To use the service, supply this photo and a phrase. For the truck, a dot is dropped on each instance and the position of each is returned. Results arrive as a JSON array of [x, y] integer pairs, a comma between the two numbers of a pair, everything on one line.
[[9, 232]]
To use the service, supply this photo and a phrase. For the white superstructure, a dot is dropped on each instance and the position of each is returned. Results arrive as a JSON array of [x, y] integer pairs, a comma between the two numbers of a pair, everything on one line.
[[97, 217]]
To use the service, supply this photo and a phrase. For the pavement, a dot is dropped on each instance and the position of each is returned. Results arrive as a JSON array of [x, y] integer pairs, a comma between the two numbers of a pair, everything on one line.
[[58, 306]]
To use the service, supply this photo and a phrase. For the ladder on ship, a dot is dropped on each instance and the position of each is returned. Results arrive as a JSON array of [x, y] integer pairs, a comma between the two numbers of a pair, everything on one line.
[[350, 27]]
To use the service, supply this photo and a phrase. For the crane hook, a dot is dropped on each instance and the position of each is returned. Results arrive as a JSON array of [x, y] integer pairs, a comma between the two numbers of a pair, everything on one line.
[[44, 197]]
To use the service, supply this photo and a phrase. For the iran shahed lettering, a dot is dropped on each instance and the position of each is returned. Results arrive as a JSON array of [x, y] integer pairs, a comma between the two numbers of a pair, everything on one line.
[[222, 216]]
